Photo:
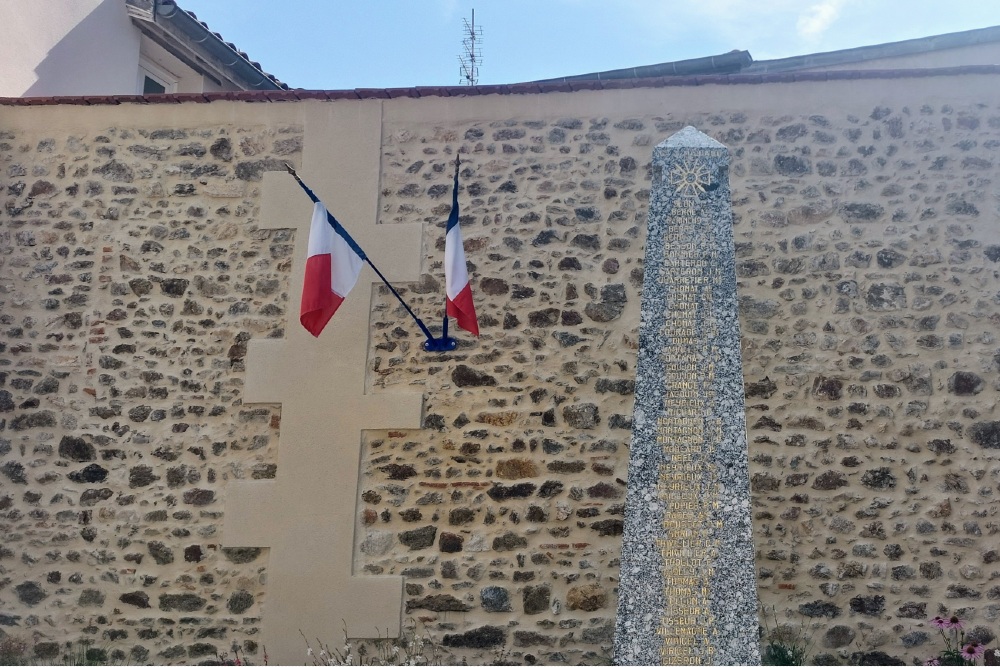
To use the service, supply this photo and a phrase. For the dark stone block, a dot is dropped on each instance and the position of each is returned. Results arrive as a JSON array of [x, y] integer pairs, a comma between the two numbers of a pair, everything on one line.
[[398, 472], [450, 543], [603, 312], [46, 650], [91, 597], [14, 471], [829, 481], [526, 638], [160, 552], [174, 287], [193, 554], [438, 603], [465, 376], [621, 387], [874, 658], [544, 318], [30, 593], [861, 212], [985, 434], [566, 467], [91, 497], [623, 422], [141, 475], [536, 598], [887, 391], [493, 286], [188, 602], [886, 296], [913, 610], [116, 171], [137, 599], [838, 636], [583, 416], [90, 475], [501, 492], [495, 599], [420, 538], [460, 516], [43, 419], [830, 389], [508, 542], [792, 165], [550, 489], [962, 591], [240, 601], [550, 446], [963, 383], [819, 608], [879, 478], [603, 490], [763, 389], [608, 527], [570, 264], [254, 170], [241, 555], [487, 636], [868, 605]]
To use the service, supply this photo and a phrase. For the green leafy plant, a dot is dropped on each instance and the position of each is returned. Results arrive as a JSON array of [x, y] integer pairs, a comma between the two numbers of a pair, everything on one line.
[[783, 644], [957, 650], [410, 648]]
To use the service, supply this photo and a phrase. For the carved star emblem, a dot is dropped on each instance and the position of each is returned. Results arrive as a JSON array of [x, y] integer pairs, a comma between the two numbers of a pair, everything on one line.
[[690, 178]]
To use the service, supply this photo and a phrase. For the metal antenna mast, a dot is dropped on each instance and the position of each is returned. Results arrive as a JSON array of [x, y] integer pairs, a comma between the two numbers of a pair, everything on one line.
[[473, 56]]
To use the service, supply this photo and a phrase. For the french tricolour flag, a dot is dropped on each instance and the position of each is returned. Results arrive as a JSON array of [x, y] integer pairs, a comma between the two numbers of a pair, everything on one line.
[[457, 288], [332, 268]]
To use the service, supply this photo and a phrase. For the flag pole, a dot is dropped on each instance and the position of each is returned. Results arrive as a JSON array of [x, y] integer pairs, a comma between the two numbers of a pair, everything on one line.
[[432, 344]]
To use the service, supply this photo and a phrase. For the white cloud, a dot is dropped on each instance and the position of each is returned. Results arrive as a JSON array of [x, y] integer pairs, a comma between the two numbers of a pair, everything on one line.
[[818, 18]]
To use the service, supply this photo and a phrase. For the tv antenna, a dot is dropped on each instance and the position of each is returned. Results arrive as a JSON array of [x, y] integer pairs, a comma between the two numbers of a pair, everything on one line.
[[472, 57]]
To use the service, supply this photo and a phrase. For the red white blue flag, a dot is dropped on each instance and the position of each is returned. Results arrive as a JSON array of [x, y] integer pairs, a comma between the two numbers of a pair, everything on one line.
[[332, 268], [457, 288]]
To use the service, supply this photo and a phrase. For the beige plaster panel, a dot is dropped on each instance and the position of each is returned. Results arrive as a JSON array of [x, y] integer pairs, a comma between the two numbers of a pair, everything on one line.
[[305, 516]]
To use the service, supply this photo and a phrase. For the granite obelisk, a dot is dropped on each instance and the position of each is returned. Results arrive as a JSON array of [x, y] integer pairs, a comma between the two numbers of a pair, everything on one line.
[[687, 593]]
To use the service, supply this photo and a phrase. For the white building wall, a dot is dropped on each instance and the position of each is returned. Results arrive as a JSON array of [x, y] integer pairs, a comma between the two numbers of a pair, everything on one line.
[[67, 47]]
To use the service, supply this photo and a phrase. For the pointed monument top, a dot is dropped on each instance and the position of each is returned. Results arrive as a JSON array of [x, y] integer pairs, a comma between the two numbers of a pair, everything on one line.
[[690, 137]]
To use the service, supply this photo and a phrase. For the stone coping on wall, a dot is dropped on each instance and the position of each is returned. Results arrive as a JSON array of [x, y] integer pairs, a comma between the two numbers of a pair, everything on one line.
[[503, 89]]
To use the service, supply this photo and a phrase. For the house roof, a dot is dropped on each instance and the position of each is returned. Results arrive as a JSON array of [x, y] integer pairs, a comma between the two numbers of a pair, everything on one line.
[[733, 68], [743, 62], [861, 54], [191, 40]]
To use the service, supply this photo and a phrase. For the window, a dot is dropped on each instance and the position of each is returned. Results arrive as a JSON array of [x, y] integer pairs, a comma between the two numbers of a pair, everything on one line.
[[154, 80]]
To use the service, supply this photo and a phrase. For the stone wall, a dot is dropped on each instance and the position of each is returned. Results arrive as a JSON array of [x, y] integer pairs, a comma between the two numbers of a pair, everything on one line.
[[867, 254], [867, 247], [132, 277]]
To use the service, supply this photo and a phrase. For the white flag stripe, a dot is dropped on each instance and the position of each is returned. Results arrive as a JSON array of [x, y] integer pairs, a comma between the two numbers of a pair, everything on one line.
[[320, 232], [454, 258]]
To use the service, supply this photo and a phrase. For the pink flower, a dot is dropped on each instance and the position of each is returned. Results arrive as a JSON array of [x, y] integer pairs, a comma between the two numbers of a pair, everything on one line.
[[973, 651], [933, 661], [941, 623], [955, 622]]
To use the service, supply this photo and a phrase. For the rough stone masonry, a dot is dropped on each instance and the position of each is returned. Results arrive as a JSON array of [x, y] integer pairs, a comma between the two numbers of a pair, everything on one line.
[[134, 272]]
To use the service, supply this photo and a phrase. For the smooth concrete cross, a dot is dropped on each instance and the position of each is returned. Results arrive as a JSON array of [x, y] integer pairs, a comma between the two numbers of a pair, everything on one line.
[[306, 515]]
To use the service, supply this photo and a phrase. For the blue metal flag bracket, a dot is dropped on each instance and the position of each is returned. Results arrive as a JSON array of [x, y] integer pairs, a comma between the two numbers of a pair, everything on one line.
[[432, 344]]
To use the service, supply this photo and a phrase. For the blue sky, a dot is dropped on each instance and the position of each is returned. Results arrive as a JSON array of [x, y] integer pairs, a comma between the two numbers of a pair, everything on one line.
[[337, 44]]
